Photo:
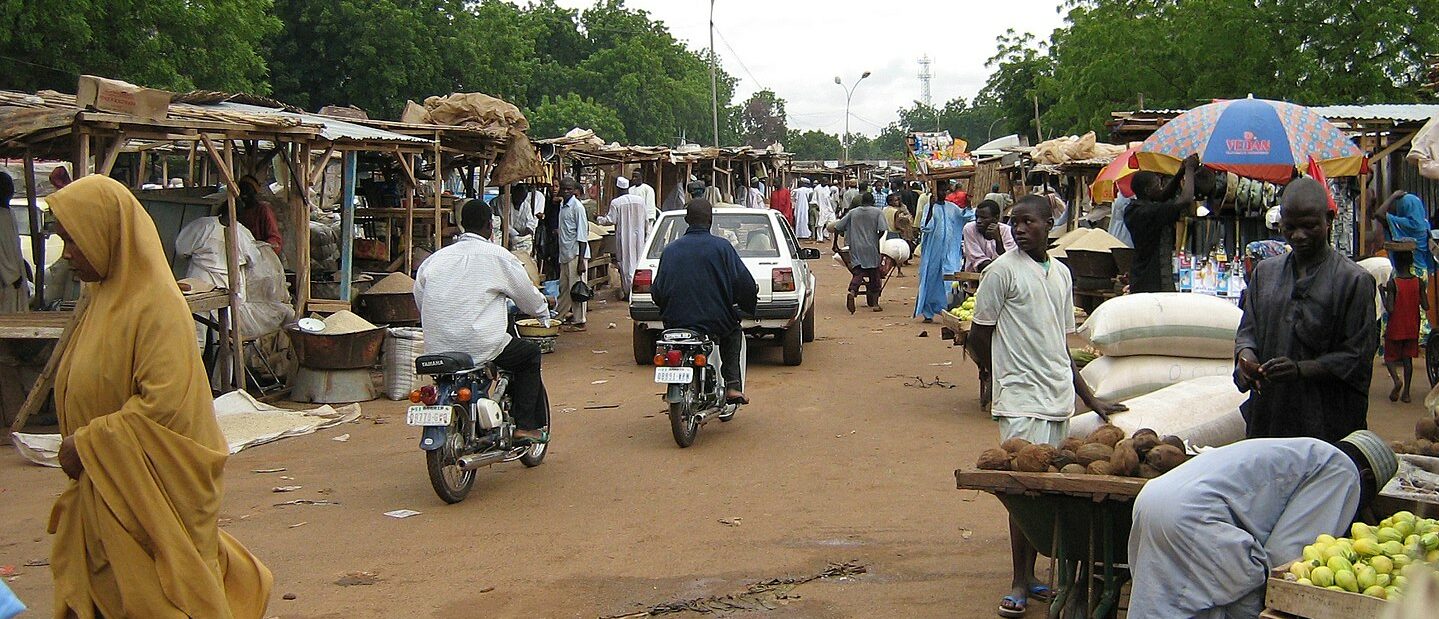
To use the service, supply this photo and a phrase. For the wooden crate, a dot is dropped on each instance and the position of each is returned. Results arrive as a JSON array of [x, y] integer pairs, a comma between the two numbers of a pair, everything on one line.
[[1310, 602]]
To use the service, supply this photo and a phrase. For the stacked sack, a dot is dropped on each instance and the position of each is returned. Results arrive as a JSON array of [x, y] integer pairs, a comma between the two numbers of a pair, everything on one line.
[[1152, 341]]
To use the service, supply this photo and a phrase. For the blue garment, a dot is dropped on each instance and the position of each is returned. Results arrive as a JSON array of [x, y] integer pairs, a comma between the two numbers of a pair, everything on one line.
[[942, 252], [10, 605], [1410, 220], [574, 229], [700, 281], [1117, 227]]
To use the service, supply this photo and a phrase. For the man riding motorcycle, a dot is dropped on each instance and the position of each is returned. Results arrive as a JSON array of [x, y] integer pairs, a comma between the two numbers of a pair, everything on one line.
[[699, 283], [462, 291]]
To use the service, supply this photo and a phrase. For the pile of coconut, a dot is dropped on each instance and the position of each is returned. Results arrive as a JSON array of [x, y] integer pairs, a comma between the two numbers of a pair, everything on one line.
[[1104, 452]]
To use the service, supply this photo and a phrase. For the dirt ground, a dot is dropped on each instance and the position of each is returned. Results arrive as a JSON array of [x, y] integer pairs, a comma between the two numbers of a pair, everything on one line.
[[837, 460]]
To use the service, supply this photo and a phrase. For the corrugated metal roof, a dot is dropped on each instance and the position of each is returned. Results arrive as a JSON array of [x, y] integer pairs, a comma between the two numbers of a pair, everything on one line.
[[332, 128], [1403, 112]]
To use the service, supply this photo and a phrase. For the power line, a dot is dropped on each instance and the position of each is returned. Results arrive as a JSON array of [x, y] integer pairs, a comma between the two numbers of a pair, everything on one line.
[[739, 60]]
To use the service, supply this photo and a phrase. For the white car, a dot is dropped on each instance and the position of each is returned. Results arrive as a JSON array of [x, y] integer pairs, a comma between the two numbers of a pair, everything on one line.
[[786, 287]]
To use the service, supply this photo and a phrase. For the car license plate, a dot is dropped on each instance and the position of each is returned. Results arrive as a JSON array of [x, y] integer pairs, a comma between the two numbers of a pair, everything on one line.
[[428, 415], [674, 375]]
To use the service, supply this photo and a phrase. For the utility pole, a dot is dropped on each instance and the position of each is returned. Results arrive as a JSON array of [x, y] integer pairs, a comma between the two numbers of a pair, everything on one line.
[[714, 88], [848, 95]]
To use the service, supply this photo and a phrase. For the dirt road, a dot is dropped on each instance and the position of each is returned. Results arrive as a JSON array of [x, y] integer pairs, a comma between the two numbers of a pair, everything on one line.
[[837, 460]]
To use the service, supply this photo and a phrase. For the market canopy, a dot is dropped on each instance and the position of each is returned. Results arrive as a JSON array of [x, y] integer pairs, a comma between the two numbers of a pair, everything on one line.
[[1254, 138]]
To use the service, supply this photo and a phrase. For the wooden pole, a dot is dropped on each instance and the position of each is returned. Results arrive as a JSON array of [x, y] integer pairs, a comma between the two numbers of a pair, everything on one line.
[[439, 190], [43, 383], [37, 232], [190, 172], [81, 163], [302, 232], [232, 325], [408, 242]]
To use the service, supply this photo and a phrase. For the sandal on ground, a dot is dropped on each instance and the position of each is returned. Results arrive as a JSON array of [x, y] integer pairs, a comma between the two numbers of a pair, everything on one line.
[[573, 328], [1041, 592], [1011, 606], [741, 399], [1394, 393], [849, 302]]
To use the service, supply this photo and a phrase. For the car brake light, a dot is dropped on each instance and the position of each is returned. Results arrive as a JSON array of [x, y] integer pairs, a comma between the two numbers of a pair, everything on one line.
[[782, 280], [643, 279], [428, 395], [672, 358]]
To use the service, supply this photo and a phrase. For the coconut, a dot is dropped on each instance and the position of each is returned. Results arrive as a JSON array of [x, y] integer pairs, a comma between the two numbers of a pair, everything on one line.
[[1144, 442], [1072, 443], [1013, 445], [1034, 458], [1106, 434], [1064, 458], [1073, 469], [1165, 457], [994, 460], [1433, 450], [1398, 447], [1100, 467], [1093, 452], [1148, 472], [1125, 460], [1427, 428], [1051, 469], [1176, 442], [1143, 431]]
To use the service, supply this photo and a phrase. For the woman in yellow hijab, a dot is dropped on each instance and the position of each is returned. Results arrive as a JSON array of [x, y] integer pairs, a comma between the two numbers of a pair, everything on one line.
[[136, 532]]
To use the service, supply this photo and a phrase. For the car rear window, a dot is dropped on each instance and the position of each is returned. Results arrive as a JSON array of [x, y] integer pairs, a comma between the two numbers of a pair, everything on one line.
[[750, 233]]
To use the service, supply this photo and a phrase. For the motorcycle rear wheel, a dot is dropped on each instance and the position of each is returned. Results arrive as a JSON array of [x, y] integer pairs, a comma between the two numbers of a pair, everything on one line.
[[450, 482], [683, 425]]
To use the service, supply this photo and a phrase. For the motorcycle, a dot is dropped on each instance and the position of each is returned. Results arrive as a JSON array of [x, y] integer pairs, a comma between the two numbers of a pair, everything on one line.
[[465, 416], [688, 364]]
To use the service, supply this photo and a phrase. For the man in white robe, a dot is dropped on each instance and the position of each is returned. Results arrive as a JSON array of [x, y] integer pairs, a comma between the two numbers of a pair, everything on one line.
[[14, 272], [801, 198], [645, 192], [825, 199], [631, 219], [1206, 534]]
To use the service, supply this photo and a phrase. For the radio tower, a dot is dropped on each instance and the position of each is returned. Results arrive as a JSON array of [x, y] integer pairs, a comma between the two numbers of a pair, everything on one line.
[[924, 81]]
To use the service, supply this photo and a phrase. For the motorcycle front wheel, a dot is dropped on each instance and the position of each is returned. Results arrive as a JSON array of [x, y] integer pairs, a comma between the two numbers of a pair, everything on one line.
[[450, 481], [683, 425]]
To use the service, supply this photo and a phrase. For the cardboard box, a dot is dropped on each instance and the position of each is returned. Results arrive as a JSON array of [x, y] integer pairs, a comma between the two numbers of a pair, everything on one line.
[[109, 95]]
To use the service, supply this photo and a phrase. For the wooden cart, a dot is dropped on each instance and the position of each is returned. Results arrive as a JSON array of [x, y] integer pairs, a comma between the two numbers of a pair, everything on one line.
[[1081, 521]]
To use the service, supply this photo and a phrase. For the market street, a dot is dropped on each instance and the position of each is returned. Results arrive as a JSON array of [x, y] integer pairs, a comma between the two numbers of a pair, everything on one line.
[[837, 460]]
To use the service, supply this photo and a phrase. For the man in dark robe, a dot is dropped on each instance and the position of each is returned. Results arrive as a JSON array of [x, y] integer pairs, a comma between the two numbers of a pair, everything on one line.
[[1150, 217], [1306, 344]]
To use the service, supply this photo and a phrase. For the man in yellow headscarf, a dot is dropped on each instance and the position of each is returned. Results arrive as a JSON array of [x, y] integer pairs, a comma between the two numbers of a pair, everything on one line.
[[136, 532]]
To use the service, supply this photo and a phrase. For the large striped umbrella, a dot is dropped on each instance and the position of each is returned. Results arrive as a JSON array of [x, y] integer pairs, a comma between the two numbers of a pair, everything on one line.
[[1114, 178], [1255, 138]]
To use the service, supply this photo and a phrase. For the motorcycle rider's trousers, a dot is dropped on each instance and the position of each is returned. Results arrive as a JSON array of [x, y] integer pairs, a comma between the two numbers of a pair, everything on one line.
[[521, 358], [731, 367]]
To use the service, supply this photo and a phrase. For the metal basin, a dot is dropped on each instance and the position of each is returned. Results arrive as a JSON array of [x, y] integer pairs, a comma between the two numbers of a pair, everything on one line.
[[391, 309], [348, 351]]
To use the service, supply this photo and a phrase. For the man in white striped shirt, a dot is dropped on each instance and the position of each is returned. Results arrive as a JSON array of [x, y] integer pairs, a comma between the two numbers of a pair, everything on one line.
[[462, 291]]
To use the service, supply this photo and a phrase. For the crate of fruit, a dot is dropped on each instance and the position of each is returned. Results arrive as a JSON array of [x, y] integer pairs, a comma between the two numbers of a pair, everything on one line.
[[1355, 576], [1307, 601]]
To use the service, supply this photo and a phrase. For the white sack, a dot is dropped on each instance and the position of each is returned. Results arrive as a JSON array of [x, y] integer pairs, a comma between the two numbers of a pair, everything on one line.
[[1122, 378], [1164, 323], [1204, 412]]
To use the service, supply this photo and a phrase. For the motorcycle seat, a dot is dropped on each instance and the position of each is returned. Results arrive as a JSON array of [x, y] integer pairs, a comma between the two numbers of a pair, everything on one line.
[[444, 363]]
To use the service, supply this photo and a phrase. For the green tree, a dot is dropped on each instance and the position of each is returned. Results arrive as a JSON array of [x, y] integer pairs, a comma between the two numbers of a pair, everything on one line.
[[813, 145], [1022, 71], [375, 54], [171, 44], [762, 118], [554, 117]]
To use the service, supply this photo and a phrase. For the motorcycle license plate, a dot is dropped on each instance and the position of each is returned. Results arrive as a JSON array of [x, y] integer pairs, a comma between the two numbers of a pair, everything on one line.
[[674, 375], [428, 415]]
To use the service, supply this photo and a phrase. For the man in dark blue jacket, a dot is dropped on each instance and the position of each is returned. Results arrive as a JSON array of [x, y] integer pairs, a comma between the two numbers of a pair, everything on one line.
[[700, 282]]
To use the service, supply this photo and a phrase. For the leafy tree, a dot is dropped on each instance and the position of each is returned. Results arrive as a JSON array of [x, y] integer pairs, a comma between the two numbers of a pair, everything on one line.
[[555, 117], [1021, 71], [763, 119], [171, 44], [375, 54], [813, 145]]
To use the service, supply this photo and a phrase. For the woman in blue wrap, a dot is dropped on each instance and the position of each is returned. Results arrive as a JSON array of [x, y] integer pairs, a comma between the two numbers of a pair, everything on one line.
[[941, 252], [1404, 216]]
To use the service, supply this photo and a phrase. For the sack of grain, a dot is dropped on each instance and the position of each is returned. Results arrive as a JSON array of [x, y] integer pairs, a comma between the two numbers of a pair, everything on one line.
[[1122, 378], [402, 346], [1204, 412], [1164, 323]]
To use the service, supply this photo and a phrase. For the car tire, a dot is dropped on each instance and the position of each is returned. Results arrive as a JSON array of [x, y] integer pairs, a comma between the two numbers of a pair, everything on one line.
[[794, 345], [808, 325], [644, 344]]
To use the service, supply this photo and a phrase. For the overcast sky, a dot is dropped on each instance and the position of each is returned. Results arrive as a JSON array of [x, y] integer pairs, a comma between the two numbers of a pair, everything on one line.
[[797, 47]]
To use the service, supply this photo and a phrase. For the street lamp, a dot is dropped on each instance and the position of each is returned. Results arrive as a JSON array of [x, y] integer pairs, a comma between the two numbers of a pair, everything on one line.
[[848, 94]]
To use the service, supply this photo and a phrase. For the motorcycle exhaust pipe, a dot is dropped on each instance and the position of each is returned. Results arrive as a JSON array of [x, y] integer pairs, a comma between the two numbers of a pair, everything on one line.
[[474, 461]]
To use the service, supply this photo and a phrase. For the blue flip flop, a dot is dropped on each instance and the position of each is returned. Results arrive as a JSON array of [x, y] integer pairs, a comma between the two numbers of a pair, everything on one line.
[[1019, 606], [1041, 592]]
